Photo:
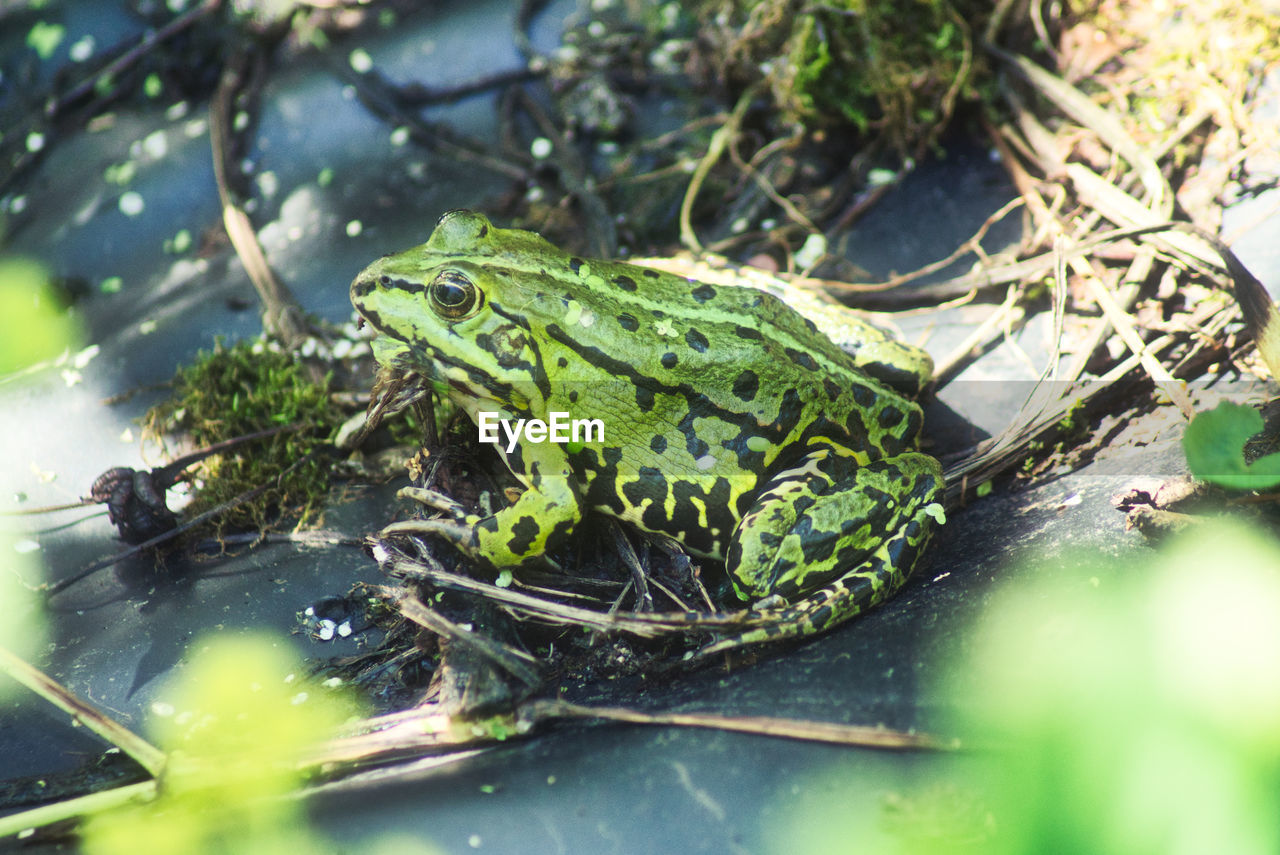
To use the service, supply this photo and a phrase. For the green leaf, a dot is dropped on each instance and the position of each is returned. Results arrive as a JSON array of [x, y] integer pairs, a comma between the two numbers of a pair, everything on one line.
[[1214, 444]]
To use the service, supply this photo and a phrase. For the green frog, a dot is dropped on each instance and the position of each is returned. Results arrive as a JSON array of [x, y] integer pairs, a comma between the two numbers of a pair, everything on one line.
[[732, 422]]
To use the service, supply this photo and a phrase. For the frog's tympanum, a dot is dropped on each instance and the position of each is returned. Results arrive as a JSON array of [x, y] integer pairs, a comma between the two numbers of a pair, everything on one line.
[[731, 422]]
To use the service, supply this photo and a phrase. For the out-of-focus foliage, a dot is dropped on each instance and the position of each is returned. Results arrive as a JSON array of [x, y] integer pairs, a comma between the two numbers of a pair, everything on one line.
[[1134, 707], [235, 725], [1214, 443], [34, 326]]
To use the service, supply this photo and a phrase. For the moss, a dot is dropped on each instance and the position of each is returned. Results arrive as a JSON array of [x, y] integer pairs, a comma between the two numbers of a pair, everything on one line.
[[249, 387], [893, 67]]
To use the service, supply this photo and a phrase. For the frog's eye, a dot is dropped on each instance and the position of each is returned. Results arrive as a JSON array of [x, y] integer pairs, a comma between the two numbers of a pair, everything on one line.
[[453, 295]]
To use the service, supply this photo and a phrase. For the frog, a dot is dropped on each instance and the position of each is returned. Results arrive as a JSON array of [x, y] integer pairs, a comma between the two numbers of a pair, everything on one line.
[[781, 440]]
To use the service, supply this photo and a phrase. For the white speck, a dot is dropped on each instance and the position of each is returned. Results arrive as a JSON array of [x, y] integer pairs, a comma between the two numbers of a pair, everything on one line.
[[815, 246], [596, 29], [332, 683], [567, 54], [739, 225], [540, 148], [311, 610], [400, 136], [705, 462], [342, 348], [1072, 500], [177, 110], [131, 203], [155, 144], [35, 141], [535, 194], [289, 678], [572, 313], [147, 327], [71, 378], [325, 629], [881, 177], [268, 183], [380, 553], [161, 709], [85, 356], [504, 579], [344, 629], [474, 841], [240, 122], [17, 204], [22, 547], [354, 228], [588, 318], [81, 50], [360, 60], [300, 698]]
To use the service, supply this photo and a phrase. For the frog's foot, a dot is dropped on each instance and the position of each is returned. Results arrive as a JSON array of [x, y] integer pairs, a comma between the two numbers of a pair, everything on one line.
[[436, 501], [517, 536], [460, 535], [769, 603], [835, 538]]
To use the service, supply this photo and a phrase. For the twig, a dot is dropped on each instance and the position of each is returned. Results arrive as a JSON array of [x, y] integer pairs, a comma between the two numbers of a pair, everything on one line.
[[282, 314], [515, 662], [1080, 107], [78, 807], [147, 755], [831, 733], [719, 141], [645, 625]]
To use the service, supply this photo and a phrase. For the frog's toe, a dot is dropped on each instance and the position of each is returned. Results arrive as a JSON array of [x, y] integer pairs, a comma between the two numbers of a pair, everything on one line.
[[460, 535], [434, 500], [769, 603]]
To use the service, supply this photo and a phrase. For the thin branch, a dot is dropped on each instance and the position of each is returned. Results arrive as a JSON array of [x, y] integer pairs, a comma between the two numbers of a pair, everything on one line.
[[147, 755]]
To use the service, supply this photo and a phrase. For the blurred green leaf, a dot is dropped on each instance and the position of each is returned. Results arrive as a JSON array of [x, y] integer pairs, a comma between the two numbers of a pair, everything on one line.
[[1128, 707], [1214, 445], [235, 725], [44, 38], [33, 326]]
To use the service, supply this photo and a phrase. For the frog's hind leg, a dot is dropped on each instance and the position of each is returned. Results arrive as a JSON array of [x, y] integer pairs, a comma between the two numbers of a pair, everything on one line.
[[833, 536]]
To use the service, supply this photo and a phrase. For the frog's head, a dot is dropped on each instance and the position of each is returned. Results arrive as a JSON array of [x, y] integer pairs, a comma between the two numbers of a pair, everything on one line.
[[451, 310]]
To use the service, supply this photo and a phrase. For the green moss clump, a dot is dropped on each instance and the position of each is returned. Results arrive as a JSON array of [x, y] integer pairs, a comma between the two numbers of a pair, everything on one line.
[[243, 389], [893, 67]]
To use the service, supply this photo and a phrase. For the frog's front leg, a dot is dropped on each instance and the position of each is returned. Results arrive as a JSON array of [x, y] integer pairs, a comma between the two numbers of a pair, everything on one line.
[[858, 528], [519, 535]]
